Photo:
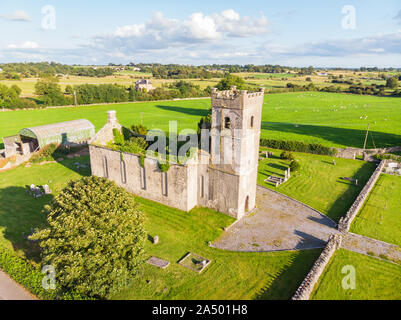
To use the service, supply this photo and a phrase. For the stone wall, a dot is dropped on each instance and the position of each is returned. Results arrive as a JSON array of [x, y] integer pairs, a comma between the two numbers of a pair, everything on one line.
[[345, 222], [176, 188], [368, 154], [306, 288]]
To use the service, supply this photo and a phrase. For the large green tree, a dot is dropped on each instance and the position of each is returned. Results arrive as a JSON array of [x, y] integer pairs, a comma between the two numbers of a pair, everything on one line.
[[231, 80], [95, 237], [392, 82]]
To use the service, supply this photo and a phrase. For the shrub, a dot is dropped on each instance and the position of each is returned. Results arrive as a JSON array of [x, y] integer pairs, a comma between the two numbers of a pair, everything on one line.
[[29, 277], [298, 146], [139, 129], [286, 155], [95, 237], [118, 137], [295, 166], [164, 167]]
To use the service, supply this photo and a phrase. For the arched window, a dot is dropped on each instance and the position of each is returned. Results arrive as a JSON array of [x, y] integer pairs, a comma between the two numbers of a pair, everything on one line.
[[252, 120], [227, 123]]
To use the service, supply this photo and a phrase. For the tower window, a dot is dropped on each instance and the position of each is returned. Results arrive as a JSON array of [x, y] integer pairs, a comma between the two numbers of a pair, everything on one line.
[[252, 120], [227, 123]]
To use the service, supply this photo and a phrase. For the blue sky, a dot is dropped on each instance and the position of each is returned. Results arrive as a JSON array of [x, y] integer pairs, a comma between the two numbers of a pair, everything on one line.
[[296, 33]]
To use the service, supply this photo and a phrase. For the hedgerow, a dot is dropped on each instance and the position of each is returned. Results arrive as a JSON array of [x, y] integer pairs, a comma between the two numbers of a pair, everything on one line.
[[31, 278], [298, 146]]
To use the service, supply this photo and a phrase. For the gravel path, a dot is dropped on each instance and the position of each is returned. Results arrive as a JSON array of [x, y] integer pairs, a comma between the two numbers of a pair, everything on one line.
[[277, 223]]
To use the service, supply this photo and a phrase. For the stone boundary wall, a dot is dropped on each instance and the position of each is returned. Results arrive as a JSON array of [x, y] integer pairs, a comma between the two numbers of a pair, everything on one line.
[[305, 289], [368, 154], [345, 222]]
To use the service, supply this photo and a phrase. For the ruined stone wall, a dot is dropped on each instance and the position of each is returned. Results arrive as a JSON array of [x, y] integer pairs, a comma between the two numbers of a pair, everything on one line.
[[175, 188], [306, 288], [351, 153], [345, 222]]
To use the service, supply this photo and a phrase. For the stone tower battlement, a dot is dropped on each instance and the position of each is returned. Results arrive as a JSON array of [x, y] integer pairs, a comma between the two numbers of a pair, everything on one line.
[[236, 99]]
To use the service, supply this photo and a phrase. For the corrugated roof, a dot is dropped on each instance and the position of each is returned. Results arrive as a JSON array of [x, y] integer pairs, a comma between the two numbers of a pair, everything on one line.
[[50, 130]]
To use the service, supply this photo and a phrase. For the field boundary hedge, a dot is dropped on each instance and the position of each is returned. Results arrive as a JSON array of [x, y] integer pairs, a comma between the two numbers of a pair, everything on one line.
[[298, 146]]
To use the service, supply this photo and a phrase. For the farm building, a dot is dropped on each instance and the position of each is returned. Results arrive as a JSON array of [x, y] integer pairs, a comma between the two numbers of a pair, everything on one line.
[[144, 85], [29, 140]]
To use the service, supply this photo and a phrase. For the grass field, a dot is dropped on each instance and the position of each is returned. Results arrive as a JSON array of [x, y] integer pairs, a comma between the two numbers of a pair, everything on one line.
[[230, 275], [318, 182], [380, 217], [327, 118], [375, 279]]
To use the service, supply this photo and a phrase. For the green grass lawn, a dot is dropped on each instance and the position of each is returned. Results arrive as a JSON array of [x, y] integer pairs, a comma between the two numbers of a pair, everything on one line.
[[19, 212], [318, 182], [380, 217], [375, 279], [315, 117], [230, 275]]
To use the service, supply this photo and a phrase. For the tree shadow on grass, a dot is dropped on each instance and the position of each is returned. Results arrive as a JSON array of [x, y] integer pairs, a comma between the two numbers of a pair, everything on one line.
[[340, 136], [189, 111], [288, 279], [19, 216], [343, 203]]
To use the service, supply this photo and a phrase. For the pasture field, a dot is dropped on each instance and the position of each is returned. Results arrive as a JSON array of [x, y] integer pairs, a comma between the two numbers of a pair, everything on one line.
[[318, 182], [331, 119], [230, 275], [375, 279], [126, 78], [380, 217]]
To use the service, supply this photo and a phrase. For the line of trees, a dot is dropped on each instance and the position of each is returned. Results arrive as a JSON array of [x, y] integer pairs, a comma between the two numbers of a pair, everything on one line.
[[16, 70]]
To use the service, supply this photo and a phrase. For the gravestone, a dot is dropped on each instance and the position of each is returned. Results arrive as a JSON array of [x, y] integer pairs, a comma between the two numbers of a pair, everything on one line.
[[334, 162], [156, 239], [46, 189]]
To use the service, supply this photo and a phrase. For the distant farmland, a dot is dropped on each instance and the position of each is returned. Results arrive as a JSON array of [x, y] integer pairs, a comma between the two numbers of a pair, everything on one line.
[[336, 120]]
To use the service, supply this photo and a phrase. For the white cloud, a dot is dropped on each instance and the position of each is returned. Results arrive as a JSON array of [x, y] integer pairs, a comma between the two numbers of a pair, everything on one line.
[[162, 32], [25, 45], [379, 44], [17, 16], [200, 27], [231, 23]]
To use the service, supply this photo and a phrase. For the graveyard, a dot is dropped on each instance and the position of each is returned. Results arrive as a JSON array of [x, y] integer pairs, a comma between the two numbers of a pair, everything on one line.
[[230, 275], [380, 217], [318, 183]]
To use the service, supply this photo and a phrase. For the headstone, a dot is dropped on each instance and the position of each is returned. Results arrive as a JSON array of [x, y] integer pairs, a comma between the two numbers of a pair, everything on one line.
[[334, 162], [204, 263], [356, 182], [156, 239], [32, 188], [47, 190], [276, 184], [286, 175], [289, 173], [37, 193]]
